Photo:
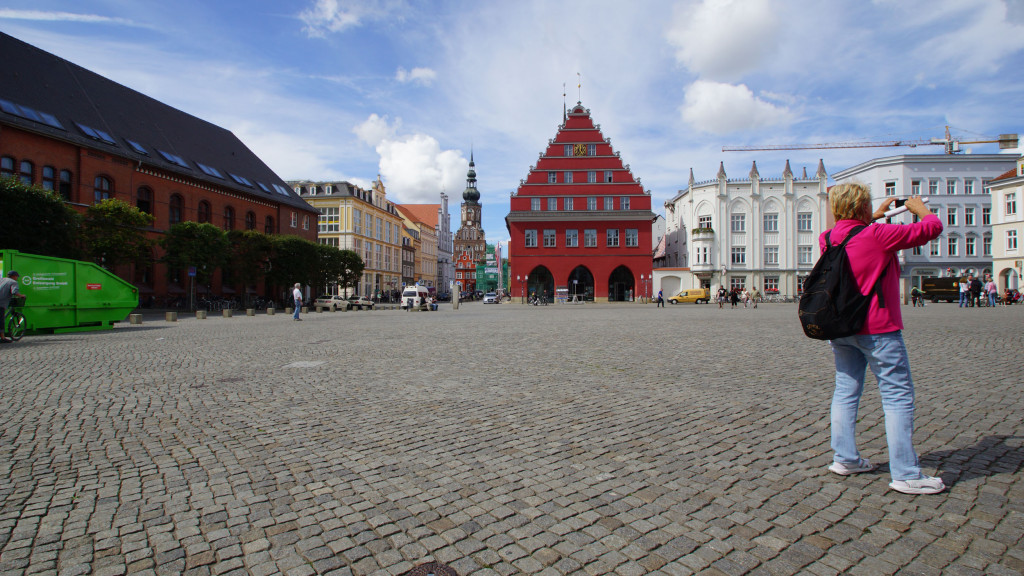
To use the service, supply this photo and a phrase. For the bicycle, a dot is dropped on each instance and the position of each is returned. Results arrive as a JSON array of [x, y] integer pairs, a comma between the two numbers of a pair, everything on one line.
[[15, 323]]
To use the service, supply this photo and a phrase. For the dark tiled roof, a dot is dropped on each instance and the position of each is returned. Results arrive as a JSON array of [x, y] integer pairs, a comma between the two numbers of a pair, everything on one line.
[[42, 82]]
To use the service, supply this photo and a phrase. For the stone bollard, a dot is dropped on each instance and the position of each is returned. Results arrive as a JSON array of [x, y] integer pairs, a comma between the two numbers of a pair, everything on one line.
[[135, 318], [270, 311], [288, 310], [171, 316], [227, 313], [250, 311], [200, 314], [319, 309], [305, 310]]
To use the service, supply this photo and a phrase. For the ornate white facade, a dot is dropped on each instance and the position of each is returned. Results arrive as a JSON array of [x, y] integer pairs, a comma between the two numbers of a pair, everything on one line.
[[751, 232], [1008, 228]]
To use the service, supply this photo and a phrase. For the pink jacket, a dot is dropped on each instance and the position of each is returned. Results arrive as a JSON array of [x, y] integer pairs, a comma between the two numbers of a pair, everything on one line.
[[874, 250]]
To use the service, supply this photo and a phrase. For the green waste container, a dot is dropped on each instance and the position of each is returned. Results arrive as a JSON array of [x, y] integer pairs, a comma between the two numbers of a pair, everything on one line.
[[68, 295]]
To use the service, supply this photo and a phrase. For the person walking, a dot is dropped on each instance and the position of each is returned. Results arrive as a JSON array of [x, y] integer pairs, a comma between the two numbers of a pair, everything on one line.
[[992, 291], [661, 300], [965, 289], [976, 289], [879, 345], [755, 295], [297, 297], [722, 295]]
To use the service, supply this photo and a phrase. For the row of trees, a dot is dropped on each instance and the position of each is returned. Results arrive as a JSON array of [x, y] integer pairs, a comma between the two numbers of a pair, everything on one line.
[[113, 233]]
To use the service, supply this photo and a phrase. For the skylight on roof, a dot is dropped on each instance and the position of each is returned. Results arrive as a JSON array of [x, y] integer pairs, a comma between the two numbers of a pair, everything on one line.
[[210, 170], [137, 147], [263, 186], [280, 189], [96, 134], [173, 158], [30, 114], [240, 179]]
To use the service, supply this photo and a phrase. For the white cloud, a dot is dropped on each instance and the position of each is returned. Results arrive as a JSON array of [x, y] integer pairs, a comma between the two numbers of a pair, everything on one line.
[[424, 76], [332, 16], [43, 16], [413, 167], [723, 39], [723, 108], [981, 38]]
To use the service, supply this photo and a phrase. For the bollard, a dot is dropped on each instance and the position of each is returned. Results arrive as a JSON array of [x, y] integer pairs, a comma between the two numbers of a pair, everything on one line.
[[200, 314], [319, 309], [227, 313], [270, 311], [288, 310], [135, 318], [171, 316], [305, 309], [250, 311]]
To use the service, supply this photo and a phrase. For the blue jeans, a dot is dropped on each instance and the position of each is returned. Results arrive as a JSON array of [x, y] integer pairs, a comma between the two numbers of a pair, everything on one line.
[[963, 299], [991, 298], [298, 305], [886, 355]]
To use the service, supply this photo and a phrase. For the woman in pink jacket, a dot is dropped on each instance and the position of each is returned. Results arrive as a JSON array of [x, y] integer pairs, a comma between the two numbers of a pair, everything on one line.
[[879, 345]]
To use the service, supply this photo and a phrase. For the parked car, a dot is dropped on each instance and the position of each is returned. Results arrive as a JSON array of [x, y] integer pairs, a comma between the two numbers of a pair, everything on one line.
[[359, 302], [941, 288], [491, 298], [332, 303], [697, 296]]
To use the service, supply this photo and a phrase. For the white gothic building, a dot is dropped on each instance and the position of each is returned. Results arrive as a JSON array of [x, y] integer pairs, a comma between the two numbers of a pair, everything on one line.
[[745, 233], [957, 188]]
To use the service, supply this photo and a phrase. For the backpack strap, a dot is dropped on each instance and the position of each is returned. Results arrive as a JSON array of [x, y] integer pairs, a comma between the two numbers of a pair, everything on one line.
[[877, 288]]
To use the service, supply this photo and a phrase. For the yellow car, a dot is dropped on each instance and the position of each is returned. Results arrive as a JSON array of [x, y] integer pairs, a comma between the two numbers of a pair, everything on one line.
[[697, 296]]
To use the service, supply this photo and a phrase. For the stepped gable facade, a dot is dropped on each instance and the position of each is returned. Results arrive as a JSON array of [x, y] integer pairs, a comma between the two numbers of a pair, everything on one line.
[[580, 223]]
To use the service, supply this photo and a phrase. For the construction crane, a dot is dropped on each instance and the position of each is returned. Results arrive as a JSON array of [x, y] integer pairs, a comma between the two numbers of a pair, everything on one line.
[[950, 145]]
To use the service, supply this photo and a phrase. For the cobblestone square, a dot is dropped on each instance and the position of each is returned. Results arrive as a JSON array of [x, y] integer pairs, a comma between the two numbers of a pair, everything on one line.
[[597, 439]]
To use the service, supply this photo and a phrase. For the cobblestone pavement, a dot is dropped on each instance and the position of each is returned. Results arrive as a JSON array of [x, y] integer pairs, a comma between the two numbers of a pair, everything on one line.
[[598, 439]]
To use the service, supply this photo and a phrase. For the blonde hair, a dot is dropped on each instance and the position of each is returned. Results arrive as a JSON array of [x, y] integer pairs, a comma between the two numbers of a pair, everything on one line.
[[847, 200]]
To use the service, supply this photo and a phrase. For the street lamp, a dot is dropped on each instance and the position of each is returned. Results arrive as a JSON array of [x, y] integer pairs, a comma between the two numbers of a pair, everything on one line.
[[521, 294]]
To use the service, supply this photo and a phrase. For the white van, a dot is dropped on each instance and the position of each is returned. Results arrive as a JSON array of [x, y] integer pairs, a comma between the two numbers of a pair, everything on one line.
[[415, 297]]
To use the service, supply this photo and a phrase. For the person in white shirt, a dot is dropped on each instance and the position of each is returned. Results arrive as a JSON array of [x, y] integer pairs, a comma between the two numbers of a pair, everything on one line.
[[297, 297]]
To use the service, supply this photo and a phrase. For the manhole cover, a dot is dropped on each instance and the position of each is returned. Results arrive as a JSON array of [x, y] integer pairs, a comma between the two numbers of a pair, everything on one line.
[[304, 364], [432, 569]]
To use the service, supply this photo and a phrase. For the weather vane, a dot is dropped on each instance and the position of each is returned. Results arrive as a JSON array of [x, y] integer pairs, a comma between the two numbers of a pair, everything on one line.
[[579, 87]]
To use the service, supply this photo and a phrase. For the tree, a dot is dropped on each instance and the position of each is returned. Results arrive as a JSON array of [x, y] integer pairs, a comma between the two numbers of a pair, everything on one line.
[[193, 244], [115, 233], [37, 221], [249, 255], [352, 269], [293, 260]]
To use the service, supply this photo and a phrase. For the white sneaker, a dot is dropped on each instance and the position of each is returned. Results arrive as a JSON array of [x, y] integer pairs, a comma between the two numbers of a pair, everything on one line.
[[847, 469], [923, 485]]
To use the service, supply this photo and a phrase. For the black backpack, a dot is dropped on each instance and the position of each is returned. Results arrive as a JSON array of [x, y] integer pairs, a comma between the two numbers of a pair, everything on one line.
[[831, 305]]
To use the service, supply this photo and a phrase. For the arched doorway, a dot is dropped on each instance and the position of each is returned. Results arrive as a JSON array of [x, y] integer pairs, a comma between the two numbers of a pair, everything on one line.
[[581, 284], [1008, 279], [541, 282], [621, 285]]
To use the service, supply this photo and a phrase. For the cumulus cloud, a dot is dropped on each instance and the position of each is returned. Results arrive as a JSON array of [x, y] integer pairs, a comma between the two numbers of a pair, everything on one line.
[[330, 16], [721, 108], [424, 76], [413, 167], [723, 39], [991, 31]]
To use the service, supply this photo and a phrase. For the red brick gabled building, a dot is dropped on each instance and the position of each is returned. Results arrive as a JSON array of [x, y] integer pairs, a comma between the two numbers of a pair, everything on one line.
[[580, 222]]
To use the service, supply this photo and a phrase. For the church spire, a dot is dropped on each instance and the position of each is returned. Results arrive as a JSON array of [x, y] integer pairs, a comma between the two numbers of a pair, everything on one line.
[[470, 194]]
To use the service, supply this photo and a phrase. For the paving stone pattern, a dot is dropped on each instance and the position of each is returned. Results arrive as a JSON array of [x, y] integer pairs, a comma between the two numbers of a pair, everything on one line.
[[586, 440]]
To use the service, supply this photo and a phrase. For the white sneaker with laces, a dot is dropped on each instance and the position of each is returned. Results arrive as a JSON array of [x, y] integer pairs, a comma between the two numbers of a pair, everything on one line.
[[923, 485], [863, 465]]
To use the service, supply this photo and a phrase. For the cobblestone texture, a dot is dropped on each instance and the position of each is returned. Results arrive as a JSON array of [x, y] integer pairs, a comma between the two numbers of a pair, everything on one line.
[[598, 439]]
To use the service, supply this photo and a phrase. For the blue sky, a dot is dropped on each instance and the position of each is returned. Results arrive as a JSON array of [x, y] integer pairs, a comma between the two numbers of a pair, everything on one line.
[[337, 89]]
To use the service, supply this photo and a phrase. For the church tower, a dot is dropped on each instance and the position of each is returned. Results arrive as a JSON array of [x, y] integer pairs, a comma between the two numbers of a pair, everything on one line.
[[470, 244]]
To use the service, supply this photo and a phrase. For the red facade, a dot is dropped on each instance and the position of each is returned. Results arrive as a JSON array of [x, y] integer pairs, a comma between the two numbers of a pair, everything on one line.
[[580, 222]]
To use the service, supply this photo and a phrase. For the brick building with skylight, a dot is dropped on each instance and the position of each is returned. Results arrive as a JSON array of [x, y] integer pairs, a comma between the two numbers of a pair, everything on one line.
[[88, 138]]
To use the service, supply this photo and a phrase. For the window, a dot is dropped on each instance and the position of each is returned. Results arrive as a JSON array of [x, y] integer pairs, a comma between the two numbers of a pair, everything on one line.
[[916, 251], [739, 255], [890, 188], [178, 160], [703, 255], [970, 247], [572, 238], [1011, 240], [567, 177], [330, 220], [357, 221], [737, 282], [567, 203], [144, 200], [738, 223], [250, 220], [804, 255], [608, 176], [49, 175], [591, 149], [952, 244], [210, 170], [368, 225], [609, 203], [294, 220], [803, 221], [535, 204], [624, 203], [986, 216], [567, 150], [933, 186], [951, 216], [771, 222], [6, 167], [531, 238], [986, 246], [704, 222], [174, 209], [590, 238], [950, 186], [591, 177], [229, 218], [100, 189], [203, 212], [612, 238], [632, 237], [552, 177], [771, 283], [591, 203], [968, 186], [25, 170], [968, 216], [1011, 203], [95, 134], [552, 204], [268, 225], [549, 238], [915, 187], [771, 255], [933, 248]]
